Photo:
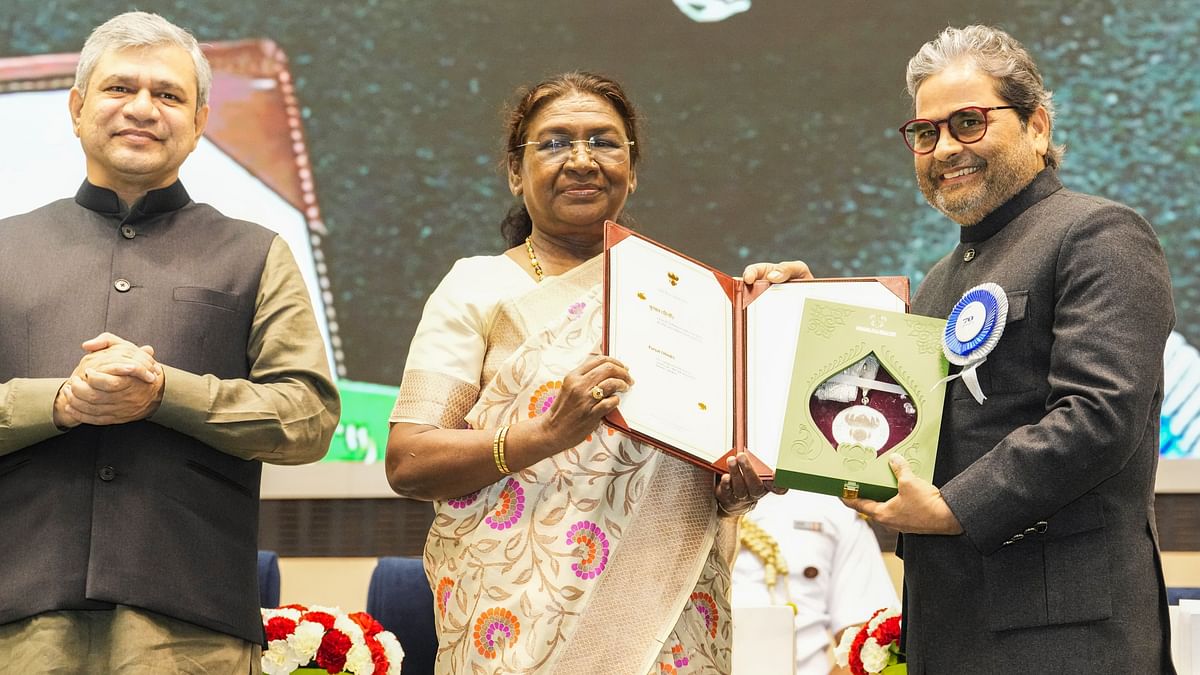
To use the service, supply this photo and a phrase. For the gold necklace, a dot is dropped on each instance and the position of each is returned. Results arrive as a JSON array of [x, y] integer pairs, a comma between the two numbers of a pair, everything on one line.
[[764, 547], [533, 261]]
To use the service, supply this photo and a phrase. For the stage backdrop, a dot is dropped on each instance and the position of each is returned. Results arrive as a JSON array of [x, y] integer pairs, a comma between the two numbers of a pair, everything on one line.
[[770, 133]]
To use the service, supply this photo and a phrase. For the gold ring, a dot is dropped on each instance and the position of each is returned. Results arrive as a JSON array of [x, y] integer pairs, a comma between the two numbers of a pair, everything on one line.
[[597, 393]]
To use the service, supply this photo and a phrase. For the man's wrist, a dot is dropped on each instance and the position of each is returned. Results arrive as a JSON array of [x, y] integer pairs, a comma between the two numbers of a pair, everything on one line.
[[736, 512], [62, 420], [160, 388]]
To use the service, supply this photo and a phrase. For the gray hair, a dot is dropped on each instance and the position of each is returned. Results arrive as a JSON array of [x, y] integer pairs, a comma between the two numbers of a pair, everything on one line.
[[141, 29], [997, 54]]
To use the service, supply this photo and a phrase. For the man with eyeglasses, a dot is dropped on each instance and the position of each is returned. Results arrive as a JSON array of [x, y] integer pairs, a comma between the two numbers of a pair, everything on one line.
[[1034, 550]]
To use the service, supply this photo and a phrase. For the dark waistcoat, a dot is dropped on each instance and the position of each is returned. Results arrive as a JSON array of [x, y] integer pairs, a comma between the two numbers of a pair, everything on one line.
[[134, 514]]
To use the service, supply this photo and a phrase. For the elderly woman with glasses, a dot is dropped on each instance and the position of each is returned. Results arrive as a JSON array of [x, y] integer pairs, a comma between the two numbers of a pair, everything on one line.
[[558, 544]]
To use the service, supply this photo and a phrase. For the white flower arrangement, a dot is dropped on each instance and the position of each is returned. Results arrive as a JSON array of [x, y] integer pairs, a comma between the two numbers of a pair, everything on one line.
[[327, 638], [874, 648]]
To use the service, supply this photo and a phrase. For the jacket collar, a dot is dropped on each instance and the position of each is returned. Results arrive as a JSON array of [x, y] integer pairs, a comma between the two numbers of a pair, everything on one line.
[[153, 203], [1043, 185]]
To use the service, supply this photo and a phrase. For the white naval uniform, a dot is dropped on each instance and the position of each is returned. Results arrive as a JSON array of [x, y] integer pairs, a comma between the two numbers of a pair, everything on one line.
[[836, 573]]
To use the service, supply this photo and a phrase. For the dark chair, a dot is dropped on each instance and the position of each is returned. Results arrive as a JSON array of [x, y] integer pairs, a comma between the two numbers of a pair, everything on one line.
[[399, 598], [268, 579], [1177, 593]]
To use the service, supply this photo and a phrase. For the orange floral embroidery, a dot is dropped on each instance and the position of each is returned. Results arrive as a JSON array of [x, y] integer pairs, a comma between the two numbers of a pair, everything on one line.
[[544, 397], [679, 655], [495, 629], [611, 431], [444, 588], [703, 602]]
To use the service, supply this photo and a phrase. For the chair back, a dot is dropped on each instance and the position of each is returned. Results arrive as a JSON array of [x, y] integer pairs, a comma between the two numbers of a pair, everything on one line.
[[1177, 593], [268, 579], [399, 597]]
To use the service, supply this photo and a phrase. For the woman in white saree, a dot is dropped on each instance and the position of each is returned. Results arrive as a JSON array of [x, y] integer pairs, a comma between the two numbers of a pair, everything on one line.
[[558, 545]]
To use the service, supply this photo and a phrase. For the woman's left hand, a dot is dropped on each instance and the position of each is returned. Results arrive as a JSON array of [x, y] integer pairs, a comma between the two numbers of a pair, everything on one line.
[[741, 488]]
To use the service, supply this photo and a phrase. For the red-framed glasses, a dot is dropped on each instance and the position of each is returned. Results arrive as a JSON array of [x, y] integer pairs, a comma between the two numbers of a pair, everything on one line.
[[966, 125]]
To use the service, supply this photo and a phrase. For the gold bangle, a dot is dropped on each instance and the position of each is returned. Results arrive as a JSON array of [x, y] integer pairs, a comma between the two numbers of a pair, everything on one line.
[[503, 459], [498, 450]]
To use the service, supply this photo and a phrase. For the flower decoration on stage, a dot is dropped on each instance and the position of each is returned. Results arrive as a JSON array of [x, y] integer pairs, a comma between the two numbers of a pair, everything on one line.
[[873, 649], [328, 639]]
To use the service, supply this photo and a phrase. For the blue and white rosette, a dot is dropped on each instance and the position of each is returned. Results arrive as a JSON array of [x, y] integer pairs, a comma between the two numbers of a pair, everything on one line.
[[973, 329]]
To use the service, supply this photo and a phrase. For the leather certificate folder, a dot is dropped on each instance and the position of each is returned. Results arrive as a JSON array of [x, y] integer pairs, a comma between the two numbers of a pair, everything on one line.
[[711, 357]]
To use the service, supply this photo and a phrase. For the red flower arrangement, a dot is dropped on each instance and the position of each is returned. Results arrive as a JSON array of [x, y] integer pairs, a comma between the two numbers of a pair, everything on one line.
[[324, 637], [873, 649]]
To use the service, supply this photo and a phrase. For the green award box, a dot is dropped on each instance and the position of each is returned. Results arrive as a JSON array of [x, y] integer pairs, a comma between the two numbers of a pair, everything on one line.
[[874, 354]]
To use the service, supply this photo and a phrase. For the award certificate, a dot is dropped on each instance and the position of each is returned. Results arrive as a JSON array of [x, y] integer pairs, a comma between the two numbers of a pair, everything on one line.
[[711, 358]]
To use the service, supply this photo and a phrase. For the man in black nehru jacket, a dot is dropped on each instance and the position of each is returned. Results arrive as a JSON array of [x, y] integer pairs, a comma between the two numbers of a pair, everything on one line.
[[1034, 549], [153, 353]]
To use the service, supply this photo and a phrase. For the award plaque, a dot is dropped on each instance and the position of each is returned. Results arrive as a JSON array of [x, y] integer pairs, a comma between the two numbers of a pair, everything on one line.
[[865, 383]]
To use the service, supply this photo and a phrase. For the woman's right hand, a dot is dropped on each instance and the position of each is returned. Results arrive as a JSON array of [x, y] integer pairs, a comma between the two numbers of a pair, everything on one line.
[[588, 394], [426, 462]]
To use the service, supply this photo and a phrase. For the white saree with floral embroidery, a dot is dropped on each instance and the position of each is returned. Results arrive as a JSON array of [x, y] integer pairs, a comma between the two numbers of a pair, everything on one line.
[[607, 557]]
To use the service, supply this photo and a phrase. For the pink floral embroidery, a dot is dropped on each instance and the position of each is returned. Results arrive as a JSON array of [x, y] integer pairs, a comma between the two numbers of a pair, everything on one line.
[[681, 659], [576, 310], [591, 543], [509, 507], [703, 602], [463, 501]]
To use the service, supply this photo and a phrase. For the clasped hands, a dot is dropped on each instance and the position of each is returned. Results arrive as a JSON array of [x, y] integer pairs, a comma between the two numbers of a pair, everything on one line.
[[115, 382]]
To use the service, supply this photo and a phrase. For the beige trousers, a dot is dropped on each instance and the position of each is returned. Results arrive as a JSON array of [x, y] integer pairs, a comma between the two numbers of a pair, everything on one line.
[[121, 641]]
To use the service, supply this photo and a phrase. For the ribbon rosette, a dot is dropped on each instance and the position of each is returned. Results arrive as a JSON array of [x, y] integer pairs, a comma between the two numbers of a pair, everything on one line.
[[973, 329]]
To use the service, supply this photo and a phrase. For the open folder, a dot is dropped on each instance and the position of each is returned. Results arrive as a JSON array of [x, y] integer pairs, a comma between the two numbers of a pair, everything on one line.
[[711, 358]]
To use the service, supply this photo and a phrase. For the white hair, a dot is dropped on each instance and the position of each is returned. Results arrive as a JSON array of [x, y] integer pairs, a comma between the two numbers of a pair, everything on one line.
[[997, 54], [141, 29]]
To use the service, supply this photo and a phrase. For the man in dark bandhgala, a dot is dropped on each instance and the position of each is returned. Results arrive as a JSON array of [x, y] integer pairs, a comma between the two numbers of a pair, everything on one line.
[[1034, 550], [153, 353]]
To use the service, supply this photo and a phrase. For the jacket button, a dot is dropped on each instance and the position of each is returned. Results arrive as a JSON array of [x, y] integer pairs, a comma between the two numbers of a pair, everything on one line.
[[128, 232], [122, 285], [107, 473]]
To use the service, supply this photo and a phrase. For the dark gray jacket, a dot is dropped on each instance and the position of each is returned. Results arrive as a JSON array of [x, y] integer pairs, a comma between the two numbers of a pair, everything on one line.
[[134, 514], [1052, 477]]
